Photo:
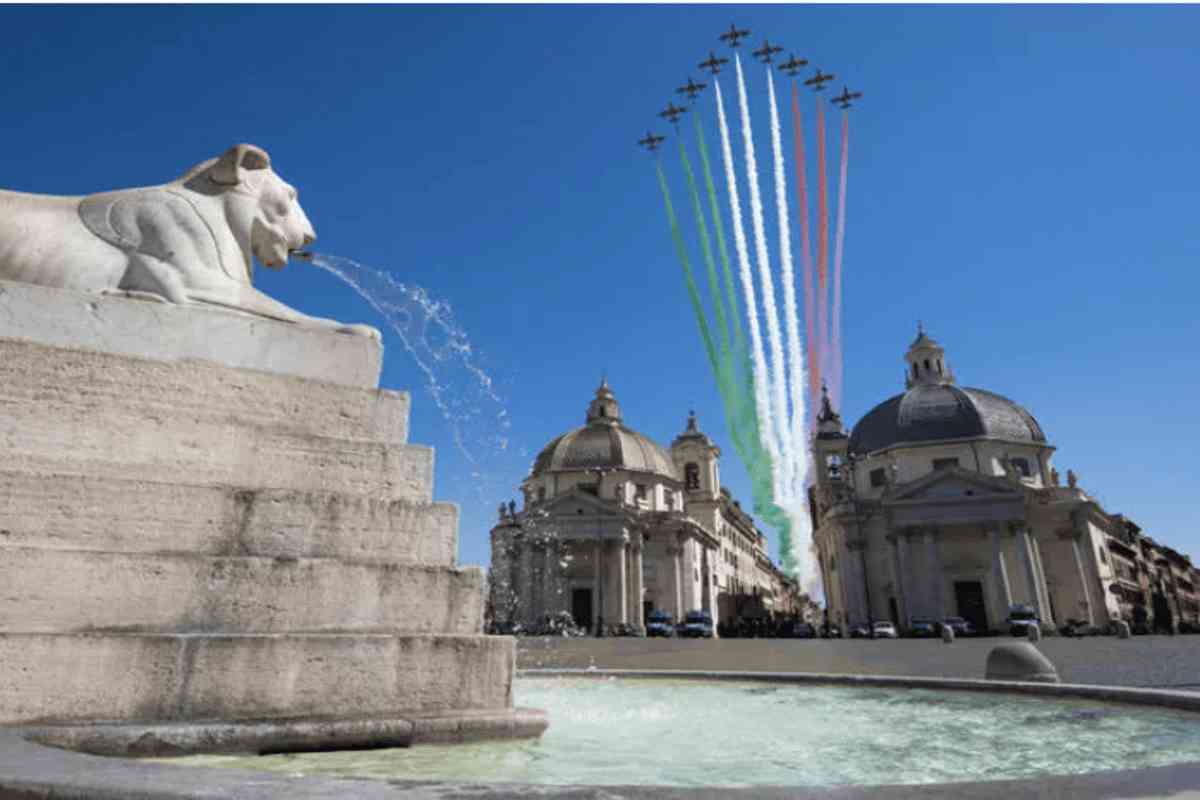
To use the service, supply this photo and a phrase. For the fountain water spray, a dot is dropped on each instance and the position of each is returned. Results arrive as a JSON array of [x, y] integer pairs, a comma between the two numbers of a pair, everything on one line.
[[462, 390]]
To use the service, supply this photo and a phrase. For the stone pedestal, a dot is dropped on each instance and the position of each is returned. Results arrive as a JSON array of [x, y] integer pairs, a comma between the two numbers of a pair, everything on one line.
[[196, 529]]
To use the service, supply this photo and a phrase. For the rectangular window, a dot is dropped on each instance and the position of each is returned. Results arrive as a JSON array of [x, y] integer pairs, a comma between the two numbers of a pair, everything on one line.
[[1022, 466], [878, 477], [944, 463], [640, 492]]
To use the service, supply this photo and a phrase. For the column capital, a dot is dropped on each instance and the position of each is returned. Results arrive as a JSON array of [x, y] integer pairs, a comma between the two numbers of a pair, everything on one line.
[[1068, 534]]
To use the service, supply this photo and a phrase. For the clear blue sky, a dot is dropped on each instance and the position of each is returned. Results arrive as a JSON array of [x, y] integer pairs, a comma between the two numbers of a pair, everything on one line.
[[1023, 179]]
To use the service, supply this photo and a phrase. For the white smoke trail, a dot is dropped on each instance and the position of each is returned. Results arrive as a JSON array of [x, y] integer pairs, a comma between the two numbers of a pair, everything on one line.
[[839, 242], [786, 466], [797, 374], [766, 433]]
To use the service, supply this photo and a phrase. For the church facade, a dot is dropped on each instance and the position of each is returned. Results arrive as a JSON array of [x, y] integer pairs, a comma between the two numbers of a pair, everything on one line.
[[942, 501], [614, 526]]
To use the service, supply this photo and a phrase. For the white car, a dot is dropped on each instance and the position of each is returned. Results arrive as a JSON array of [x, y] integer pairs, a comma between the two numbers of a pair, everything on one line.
[[884, 630]]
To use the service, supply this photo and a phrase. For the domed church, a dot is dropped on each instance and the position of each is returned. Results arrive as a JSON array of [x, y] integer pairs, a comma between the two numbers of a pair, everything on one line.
[[942, 501], [614, 526]]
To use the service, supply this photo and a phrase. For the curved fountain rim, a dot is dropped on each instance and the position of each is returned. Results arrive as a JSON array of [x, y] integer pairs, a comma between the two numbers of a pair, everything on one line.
[[28, 768], [1164, 698]]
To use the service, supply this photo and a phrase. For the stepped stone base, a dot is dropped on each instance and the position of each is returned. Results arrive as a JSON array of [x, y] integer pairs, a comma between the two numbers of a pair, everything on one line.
[[215, 534]]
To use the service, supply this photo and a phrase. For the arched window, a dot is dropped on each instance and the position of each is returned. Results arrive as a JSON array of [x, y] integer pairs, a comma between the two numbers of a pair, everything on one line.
[[541, 494], [691, 476], [939, 366], [915, 373], [927, 365]]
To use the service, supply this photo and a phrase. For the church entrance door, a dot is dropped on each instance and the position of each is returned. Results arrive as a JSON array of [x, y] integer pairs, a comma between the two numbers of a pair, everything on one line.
[[969, 599], [581, 607]]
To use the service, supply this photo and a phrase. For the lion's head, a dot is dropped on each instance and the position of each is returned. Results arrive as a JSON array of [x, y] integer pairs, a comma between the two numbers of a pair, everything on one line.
[[259, 204]]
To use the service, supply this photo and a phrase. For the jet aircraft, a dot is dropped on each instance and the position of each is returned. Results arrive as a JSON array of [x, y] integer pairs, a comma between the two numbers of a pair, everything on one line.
[[671, 112], [818, 81], [792, 65], [692, 89], [713, 63], [733, 35], [845, 97], [651, 142], [765, 52]]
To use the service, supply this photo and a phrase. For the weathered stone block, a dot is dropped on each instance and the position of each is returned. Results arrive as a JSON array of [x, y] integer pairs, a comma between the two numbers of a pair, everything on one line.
[[67, 384], [65, 678], [76, 512], [143, 329], [60, 591]]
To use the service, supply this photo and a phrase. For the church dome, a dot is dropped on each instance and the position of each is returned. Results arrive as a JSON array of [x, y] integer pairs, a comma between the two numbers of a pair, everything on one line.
[[930, 413], [604, 443], [934, 409]]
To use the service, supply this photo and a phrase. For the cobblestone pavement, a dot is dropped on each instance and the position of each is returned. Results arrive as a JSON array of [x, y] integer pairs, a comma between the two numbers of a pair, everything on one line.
[[1163, 662]]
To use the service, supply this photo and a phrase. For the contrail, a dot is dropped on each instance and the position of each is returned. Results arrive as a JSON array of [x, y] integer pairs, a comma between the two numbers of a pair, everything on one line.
[[822, 245], [681, 251], [706, 248], [777, 391], [719, 229], [787, 278], [762, 410], [839, 240], [810, 322]]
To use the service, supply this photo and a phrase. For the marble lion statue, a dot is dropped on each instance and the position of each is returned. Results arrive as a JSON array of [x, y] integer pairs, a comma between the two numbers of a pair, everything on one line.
[[192, 241]]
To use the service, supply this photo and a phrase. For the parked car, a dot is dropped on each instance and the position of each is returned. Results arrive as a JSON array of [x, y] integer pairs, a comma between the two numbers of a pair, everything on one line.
[[959, 625], [884, 630], [923, 628], [660, 623], [832, 632], [1020, 618], [860, 632], [698, 625], [803, 630]]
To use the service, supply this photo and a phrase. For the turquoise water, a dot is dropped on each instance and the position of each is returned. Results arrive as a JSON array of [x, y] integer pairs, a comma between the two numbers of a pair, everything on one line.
[[692, 733]]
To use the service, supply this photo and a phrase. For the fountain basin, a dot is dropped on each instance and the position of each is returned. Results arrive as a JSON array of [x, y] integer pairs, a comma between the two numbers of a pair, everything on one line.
[[691, 729]]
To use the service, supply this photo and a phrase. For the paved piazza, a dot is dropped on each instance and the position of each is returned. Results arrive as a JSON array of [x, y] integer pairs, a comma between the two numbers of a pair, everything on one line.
[[1161, 662]]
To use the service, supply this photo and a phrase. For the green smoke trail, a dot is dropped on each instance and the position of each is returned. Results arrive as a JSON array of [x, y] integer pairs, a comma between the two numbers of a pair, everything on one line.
[[719, 228], [735, 377], [681, 251], [706, 249]]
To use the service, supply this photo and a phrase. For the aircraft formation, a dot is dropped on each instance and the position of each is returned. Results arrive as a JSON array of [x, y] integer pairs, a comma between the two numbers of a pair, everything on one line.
[[713, 64]]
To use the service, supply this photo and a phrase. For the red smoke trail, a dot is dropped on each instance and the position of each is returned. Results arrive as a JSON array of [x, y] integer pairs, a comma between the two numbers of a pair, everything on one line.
[[810, 342], [822, 243], [839, 240]]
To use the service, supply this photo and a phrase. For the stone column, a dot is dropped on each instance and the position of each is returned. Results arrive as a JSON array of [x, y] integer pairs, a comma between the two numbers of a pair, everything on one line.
[[639, 585], [673, 580], [621, 605], [1089, 609], [527, 599], [1025, 549], [933, 563], [1043, 586], [597, 589], [899, 560], [551, 599], [1002, 591]]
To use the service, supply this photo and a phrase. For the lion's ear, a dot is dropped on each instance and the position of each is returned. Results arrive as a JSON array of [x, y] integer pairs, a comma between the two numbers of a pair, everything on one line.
[[228, 171]]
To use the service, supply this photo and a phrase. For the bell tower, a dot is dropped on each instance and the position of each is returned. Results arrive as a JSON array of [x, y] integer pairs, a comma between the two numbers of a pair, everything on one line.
[[696, 457], [926, 362]]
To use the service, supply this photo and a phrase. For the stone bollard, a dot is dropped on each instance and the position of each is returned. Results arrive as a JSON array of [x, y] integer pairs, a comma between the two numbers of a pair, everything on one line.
[[1034, 633], [1020, 661], [947, 634], [1122, 629]]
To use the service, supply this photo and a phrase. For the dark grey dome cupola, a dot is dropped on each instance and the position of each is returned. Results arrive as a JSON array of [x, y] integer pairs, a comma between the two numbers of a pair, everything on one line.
[[934, 409]]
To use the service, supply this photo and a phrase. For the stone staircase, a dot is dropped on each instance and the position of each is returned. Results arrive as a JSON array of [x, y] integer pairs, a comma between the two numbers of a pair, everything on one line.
[[185, 542]]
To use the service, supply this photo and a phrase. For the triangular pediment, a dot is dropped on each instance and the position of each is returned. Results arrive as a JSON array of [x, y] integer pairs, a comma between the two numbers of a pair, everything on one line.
[[953, 483], [576, 502]]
